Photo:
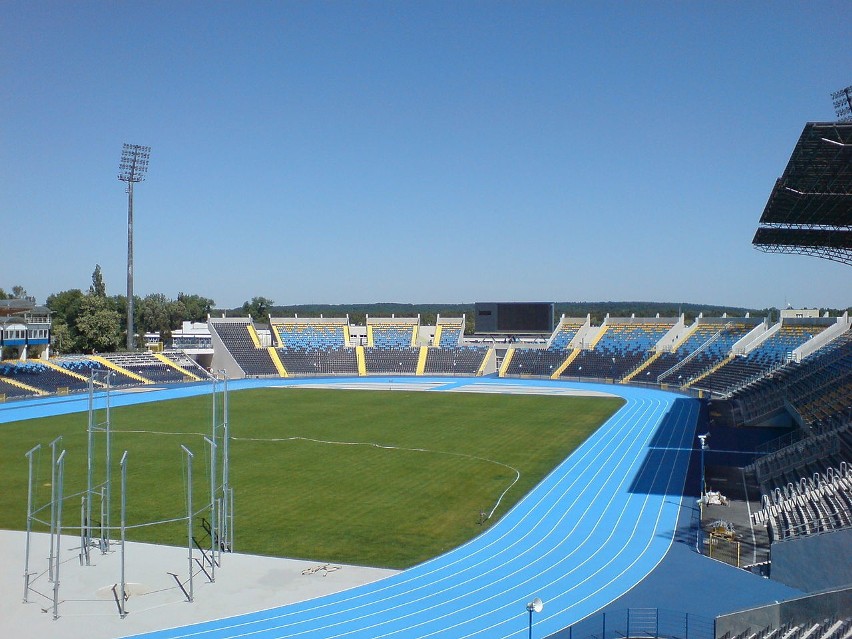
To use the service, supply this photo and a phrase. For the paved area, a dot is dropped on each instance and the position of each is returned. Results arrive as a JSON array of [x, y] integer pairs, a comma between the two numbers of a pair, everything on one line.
[[742, 499], [87, 605]]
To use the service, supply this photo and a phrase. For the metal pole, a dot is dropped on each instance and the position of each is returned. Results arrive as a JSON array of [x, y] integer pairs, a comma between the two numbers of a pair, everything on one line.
[[52, 503], [699, 539], [105, 526], [132, 168], [131, 345], [226, 460], [213, 472], [231, 526], [103, 547], [123, 464], [189, 457], [84, 549], [90, 438], [220, 510], [60, 494], [212, 508], [530, 635], [29, 456]]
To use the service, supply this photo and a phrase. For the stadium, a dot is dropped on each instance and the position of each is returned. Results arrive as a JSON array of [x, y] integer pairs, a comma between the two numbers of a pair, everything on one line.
[[714, 499]]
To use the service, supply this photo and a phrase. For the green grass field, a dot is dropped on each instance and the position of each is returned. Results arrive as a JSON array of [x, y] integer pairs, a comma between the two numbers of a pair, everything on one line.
[[444, 458]]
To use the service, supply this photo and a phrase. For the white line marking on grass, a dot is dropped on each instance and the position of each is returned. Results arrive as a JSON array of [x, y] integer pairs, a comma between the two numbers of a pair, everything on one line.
[[389, 447]]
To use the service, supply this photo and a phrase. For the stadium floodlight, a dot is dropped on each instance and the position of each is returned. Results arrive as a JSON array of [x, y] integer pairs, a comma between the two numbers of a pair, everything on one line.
[[842, 101], [536, 605], [132, 169]]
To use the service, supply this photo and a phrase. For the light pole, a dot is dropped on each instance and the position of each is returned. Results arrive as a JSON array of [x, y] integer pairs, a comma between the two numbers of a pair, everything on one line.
[[699, 540], [131, 169], [536, 605]]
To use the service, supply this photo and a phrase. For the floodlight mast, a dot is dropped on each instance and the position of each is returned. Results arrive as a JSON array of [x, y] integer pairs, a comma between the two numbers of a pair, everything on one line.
[[133, 167], [843, 104]]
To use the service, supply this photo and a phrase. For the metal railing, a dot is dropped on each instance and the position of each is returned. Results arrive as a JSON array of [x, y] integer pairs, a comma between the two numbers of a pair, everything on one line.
[[638, 623]]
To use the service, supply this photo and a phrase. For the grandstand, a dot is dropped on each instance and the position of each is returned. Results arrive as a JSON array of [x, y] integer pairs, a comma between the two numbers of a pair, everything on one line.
[[619, 347], [808, 211]]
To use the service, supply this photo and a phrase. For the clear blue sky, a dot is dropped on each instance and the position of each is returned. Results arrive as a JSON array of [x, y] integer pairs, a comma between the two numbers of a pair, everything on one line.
[[342, 152]]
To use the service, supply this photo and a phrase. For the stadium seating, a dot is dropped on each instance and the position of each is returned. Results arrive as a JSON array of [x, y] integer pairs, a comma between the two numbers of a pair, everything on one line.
[[545, 362], [10, 391], [827, 628], [391, 361], [818, 389], [391, 335], [623, 346], [315, 347], [310, 336], [148, 366], [464, 360], [330, 361], [814, 504], [716, 342], [772, 353], [36, 374], [564, 333], [450, 336], [181, 359], [82, 365], [253, 359]]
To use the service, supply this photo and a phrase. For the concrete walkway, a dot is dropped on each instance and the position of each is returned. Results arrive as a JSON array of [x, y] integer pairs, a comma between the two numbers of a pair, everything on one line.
[[87, 605]]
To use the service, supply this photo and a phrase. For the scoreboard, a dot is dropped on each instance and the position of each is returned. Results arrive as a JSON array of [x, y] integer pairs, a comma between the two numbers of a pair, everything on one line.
[[514, 317]]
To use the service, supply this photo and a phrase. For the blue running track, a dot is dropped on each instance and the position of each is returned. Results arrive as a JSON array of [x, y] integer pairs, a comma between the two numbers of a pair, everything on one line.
[[591, 530]]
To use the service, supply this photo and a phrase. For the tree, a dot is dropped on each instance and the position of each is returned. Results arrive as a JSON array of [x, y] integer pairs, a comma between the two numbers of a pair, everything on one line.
[[154, 315], [98, 287], [4, 295], [197, 308], [257, 308], [19, 292], [98, 324], [65, 309], [64, 340]]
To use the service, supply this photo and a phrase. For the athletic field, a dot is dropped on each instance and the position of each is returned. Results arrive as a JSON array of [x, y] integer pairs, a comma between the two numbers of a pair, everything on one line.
[[379, 478]]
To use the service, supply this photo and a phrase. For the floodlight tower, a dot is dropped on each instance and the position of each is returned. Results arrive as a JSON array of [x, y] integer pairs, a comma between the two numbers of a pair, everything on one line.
[[843, 104], [132, 169]]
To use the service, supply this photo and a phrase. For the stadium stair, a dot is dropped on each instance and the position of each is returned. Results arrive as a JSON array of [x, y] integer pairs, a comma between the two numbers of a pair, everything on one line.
[[485, 357], [598, 338], [359, 356], [253, 334], [183, 371], [276, 335], [369, 341], [414, 336], [640, 368], [65, 371], [279, 366], [571, 357], [26, 387], [507, 359], [119, 369], [437, 339], [421, 360], [711, 370]]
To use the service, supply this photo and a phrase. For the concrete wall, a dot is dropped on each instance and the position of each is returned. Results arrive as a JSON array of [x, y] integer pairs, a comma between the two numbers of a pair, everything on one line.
[[812, 608], [818, 562]]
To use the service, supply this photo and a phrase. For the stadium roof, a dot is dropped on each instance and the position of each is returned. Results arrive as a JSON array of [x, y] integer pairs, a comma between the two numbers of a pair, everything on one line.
[[810, 208]]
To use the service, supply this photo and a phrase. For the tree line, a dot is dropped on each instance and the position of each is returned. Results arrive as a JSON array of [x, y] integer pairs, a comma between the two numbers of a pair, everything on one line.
[[83, 322]]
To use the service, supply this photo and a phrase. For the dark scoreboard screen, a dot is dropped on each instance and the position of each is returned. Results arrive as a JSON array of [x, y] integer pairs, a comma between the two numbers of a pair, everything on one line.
[[514, 317]]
